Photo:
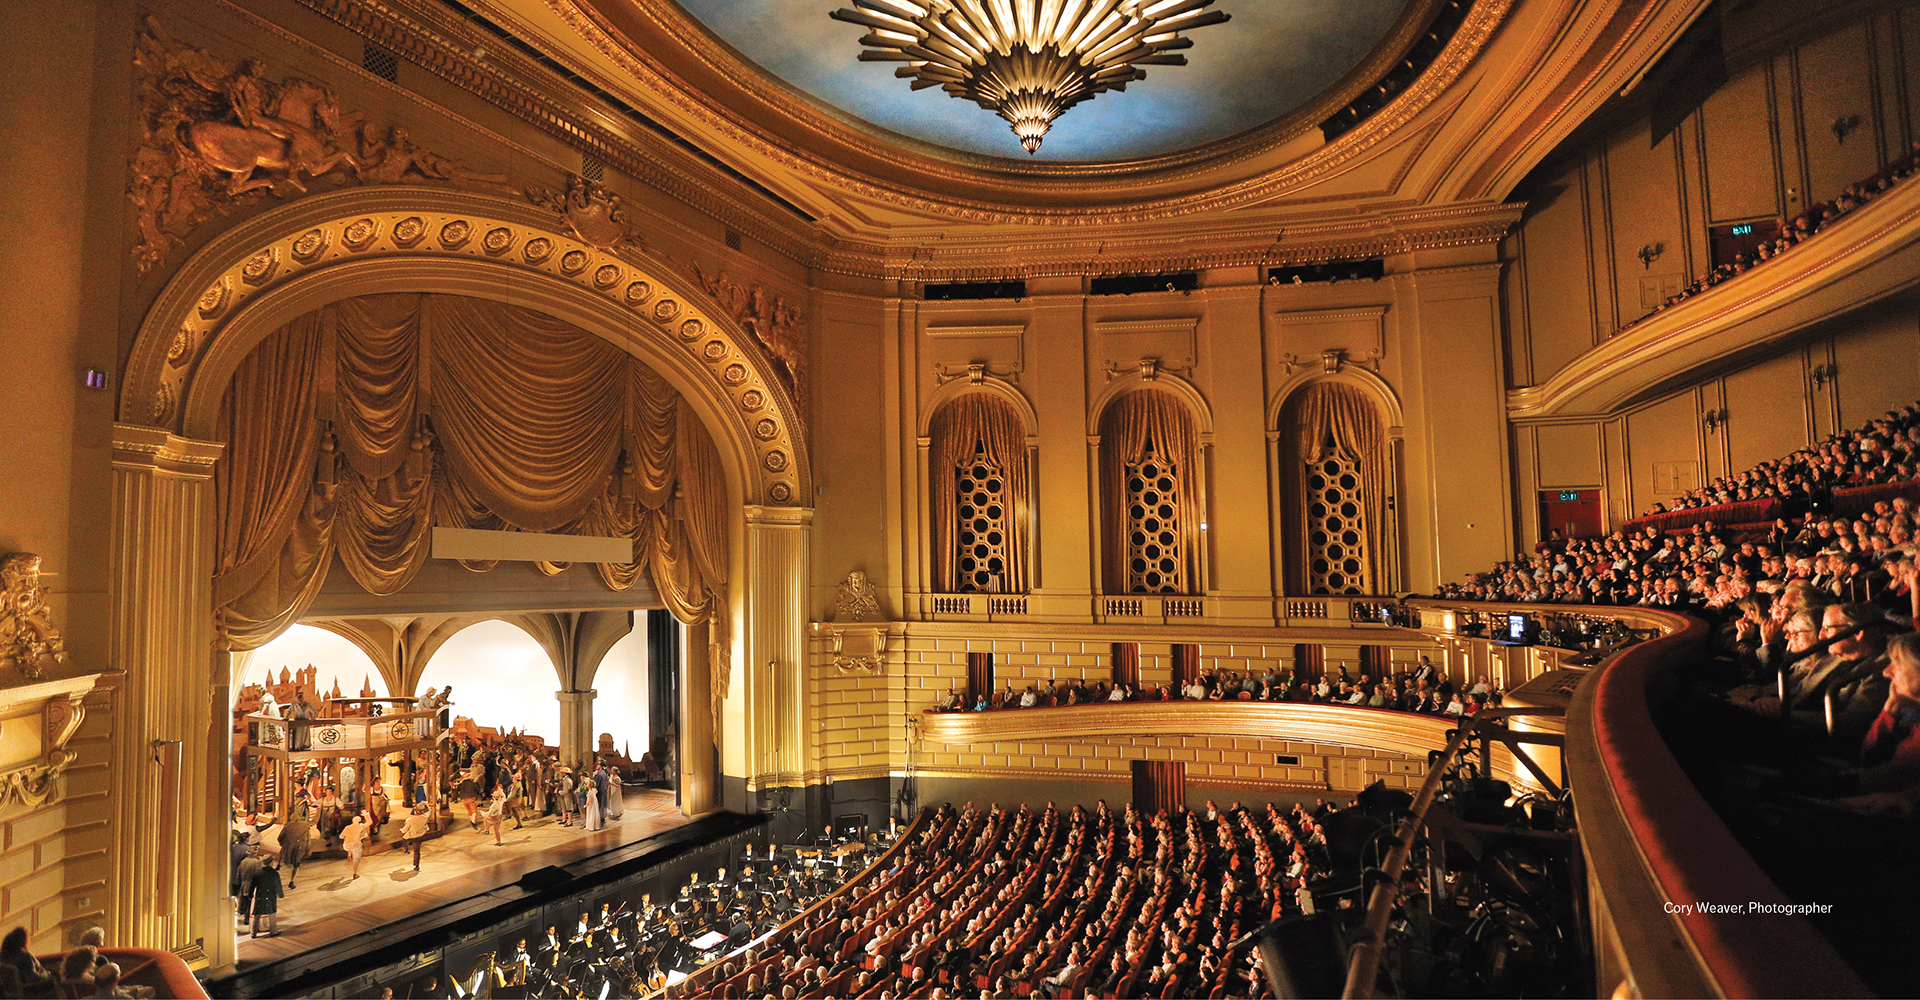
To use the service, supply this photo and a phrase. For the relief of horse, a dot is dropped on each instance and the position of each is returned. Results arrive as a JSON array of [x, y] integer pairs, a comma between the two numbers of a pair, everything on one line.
[[306, 116]]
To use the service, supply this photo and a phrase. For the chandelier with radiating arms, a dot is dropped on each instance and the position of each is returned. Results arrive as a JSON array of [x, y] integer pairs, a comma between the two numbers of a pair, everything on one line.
[[1027, 60]]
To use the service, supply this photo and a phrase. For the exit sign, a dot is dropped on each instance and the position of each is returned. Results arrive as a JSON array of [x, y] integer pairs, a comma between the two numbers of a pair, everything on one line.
[[1744, 229], [1569, 494]]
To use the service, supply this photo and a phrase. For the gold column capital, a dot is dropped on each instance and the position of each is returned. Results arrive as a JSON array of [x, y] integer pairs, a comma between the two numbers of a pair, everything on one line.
[[784, 517], [160, 450]]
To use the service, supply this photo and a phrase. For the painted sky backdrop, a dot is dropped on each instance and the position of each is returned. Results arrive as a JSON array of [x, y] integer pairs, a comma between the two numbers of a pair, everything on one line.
[[1272, 57]]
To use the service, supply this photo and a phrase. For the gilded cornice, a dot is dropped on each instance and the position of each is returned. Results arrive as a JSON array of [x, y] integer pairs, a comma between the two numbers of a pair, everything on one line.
[[428, 36], [1009, 192], [1871, 253], [714, 57]]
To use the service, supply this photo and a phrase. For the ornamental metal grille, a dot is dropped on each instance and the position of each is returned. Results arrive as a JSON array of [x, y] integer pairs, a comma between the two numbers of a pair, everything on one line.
[[1154, 563], [982, 531], [1336, 528]]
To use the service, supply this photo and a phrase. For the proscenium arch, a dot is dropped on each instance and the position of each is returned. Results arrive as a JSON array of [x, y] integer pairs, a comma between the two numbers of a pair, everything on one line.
[[254, 278]]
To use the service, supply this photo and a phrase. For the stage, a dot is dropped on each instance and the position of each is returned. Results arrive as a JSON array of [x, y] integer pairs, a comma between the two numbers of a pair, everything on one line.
[[328, 905], [332, 926]]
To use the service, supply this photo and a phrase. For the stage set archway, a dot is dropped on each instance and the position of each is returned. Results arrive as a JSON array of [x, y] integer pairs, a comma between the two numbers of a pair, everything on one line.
[[169, 883]]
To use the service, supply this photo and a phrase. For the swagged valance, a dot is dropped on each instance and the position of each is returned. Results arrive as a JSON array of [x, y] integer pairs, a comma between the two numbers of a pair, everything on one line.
[[356, 429]]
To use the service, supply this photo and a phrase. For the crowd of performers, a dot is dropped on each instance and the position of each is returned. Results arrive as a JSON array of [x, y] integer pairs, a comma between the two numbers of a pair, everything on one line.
[[339, 812]]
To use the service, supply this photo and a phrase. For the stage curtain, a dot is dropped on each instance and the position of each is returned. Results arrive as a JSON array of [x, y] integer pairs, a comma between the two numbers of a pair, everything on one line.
[[978, 419], [1330, 417], [1129, 423], [354, 430]]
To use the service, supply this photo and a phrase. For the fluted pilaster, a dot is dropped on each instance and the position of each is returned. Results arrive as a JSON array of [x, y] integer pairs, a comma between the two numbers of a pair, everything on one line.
[[170, 788]]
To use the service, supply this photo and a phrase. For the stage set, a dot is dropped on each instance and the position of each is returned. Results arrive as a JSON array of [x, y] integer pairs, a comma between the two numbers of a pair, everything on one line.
[[332, 790]]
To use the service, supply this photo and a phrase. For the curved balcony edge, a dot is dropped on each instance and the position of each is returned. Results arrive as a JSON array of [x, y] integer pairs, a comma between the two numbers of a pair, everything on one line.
[[1864, 257], [1652, 843], [1338, 725]]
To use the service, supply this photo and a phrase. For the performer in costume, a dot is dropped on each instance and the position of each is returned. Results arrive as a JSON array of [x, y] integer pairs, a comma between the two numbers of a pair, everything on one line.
[[592, 807]]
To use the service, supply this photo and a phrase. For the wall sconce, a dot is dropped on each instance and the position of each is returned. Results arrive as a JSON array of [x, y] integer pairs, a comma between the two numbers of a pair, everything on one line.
[[1650, 253], [1714, 419], [1843, 126], [1823, 373]]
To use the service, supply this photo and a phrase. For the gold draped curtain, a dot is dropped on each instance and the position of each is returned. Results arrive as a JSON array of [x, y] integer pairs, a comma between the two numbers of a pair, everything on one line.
[[354, 430], [1323, 418], [1125, 429], [958, 429]]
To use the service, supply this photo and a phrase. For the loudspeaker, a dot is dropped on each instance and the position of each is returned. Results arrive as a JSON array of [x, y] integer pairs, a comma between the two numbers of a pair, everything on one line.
[[544, 878]]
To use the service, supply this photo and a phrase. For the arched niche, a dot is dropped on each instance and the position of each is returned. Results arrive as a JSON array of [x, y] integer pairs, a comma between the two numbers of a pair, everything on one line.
[[998, 388], [1386, 403], [1150, 377], [980, 384], [1383, 395], [257, 276]]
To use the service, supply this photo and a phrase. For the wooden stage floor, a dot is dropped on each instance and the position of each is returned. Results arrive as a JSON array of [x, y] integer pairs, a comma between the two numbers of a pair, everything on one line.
[[328, 905]]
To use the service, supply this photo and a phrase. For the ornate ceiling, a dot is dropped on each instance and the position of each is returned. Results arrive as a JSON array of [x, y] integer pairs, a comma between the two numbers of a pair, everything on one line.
[[1271, 58], [695, 115]]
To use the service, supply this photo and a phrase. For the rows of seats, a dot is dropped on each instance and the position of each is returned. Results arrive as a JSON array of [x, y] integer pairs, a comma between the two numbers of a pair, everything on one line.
[[1023, 902], [1868, 557]]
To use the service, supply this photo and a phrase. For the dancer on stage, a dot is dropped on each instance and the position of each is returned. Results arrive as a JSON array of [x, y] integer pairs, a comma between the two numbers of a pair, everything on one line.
[[414, 832], [614, 804], [497, 815], [354, 839], [266, 899]]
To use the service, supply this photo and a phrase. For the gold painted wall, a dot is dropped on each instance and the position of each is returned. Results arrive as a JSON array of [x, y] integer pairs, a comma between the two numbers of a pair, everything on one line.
[[1773, 405], [1762, 146]]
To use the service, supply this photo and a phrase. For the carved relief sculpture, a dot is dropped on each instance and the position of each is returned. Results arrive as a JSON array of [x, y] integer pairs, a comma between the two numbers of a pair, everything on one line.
[[592, 212], [28, 641], [772, 321], [858, 601], [219, 135]]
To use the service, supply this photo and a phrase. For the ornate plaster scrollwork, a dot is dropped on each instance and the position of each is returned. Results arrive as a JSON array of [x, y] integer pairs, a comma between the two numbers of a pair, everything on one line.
[[56, 709], [1332, 361], [28, 641], [860, 650], [858, 601], [775, 323], [977, 372], [1148, 369], [218, 135], [592, 212]]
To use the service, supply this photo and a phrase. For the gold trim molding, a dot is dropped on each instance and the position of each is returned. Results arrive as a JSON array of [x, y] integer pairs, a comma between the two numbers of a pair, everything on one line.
[[1336, 725], [1870, 254], [322, 248], [36, 723]]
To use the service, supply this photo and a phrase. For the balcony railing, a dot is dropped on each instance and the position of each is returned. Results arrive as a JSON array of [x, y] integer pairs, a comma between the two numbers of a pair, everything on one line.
[[401, 731]]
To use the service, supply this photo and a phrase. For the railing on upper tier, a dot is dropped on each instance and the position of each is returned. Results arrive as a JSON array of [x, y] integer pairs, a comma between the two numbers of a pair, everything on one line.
[[1652, 845], [402, 729]]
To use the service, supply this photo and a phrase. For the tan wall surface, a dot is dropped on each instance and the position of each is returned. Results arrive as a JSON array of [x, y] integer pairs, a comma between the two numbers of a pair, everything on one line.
[[1762, 146]]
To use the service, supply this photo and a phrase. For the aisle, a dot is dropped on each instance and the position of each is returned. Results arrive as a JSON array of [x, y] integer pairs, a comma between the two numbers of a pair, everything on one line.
[[328, 904]]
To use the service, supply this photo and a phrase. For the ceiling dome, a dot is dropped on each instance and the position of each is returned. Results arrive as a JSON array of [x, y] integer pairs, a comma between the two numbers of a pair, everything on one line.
[[1272, 58]]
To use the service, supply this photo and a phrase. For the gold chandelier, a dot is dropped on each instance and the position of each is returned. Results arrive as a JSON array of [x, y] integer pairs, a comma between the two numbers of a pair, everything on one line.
[[1027, 60]]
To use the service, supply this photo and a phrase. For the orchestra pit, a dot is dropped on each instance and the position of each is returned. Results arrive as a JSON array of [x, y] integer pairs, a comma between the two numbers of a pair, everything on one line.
[[944, 499]]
